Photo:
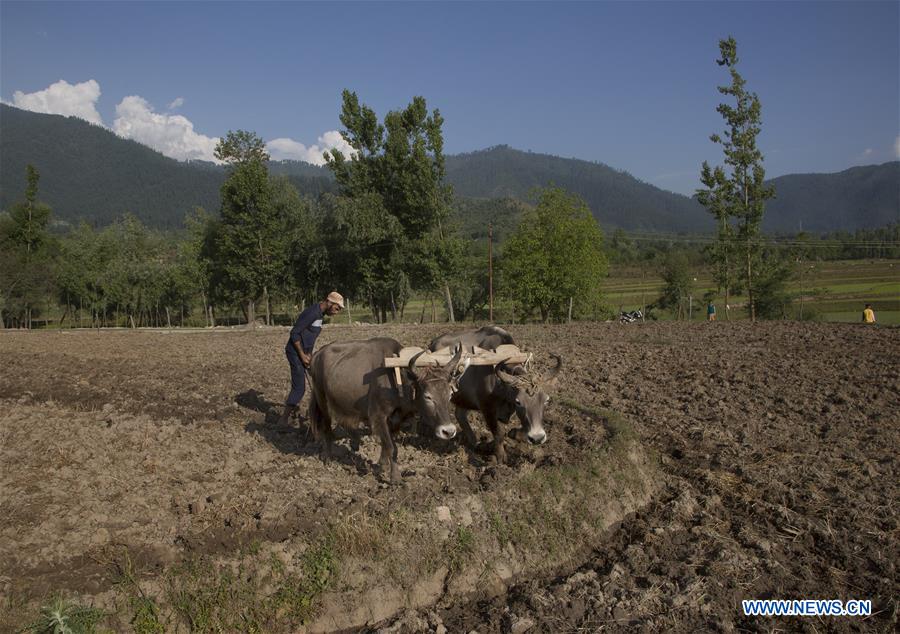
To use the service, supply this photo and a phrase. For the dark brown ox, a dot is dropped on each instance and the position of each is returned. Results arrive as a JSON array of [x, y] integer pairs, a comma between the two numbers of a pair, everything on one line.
[[498, 392], [350, 385]]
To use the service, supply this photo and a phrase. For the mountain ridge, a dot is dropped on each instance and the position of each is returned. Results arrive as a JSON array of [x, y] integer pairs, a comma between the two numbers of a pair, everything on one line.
[[89, 173]]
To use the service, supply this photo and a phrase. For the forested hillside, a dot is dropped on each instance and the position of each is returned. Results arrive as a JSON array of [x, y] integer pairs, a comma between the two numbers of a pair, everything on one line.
[[89, 173], [616, 198], [857, 198]]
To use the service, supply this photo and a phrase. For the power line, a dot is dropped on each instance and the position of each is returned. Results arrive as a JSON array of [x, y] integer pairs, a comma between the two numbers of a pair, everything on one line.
[[763, 240]]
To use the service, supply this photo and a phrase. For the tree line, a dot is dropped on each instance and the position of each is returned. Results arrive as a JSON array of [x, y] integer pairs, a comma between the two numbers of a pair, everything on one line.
[[389, 231], [387, 234]]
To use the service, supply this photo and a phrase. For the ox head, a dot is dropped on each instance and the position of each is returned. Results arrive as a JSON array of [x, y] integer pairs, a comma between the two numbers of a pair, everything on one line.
[[530, 395], [434, 387]]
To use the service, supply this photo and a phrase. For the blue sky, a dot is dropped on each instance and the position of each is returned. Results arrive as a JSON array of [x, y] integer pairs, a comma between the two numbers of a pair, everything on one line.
[[632, 85]]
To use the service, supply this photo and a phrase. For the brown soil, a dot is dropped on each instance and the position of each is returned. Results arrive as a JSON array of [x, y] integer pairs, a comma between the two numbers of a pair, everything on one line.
[[777, 446]]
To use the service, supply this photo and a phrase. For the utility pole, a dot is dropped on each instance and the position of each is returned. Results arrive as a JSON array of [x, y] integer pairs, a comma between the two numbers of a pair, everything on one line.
[[490, 272]]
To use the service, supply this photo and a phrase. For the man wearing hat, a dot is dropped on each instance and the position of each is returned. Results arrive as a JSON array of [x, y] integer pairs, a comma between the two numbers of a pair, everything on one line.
[[300, 346]]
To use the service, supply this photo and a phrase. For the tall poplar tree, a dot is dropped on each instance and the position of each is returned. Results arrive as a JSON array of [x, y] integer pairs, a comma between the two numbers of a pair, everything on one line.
[[26, 261], [738, 190], [249, 242], [398, 202]]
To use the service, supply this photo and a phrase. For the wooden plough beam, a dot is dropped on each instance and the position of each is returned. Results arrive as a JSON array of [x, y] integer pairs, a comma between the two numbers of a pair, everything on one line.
[[503, 354]]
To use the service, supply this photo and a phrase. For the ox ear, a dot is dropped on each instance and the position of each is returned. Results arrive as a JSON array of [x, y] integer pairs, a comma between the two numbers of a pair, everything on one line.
[[551, 377]]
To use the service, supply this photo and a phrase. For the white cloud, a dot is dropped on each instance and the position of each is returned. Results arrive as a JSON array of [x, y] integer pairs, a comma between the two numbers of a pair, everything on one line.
[[867, 152], [170, 134], [897, 147], [173, 135], [63, 98], [287, 149]]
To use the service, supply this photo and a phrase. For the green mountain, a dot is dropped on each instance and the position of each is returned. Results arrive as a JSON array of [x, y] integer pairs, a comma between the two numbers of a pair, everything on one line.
[[89, 173], [858, 198], [616, 198]]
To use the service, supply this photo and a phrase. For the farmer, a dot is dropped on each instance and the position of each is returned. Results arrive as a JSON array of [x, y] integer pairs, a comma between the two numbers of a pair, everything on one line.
[[868, 315], [300, 346], [710, 312]]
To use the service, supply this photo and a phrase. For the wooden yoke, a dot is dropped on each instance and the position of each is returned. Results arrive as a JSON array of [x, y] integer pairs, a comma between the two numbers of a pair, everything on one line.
[[506, 353]]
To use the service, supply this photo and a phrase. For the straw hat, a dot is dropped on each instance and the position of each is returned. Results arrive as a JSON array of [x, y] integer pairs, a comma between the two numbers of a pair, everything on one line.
[[336, 298]]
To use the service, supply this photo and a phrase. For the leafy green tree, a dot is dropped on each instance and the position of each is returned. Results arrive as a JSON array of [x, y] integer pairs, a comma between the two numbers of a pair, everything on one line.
[[555, 255], [775, 271], [250, 240], [198, 257], [28, 250], [678, 284], [394, 178], [717, 198], [740, 194], [363, 246]]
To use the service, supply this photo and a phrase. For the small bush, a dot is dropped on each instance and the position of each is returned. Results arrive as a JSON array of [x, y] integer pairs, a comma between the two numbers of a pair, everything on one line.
[[63, 616]]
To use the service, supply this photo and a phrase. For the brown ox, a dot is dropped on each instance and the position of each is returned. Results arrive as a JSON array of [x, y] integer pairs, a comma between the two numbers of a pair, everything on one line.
[[350, 384], [498, 392]]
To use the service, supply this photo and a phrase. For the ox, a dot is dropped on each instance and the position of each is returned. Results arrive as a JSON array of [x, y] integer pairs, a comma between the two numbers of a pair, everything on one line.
[[351, 385], [498, 392]]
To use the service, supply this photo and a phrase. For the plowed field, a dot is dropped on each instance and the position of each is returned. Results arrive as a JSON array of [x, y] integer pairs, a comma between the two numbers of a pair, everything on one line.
[[765, 462]]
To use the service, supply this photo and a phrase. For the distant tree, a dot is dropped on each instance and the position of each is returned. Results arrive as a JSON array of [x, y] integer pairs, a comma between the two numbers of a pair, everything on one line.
[[718, 198], [300, 241], [250, 241], [555, 255], [678, 284], [364, 247], [395, 177], [774, 272], [27, 263], [740, 194], [199, 257], [241, 147]]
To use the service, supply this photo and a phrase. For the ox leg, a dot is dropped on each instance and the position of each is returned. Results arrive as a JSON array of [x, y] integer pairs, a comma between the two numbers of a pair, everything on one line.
[[321, 426], [462, 417], [490, 417], [388, 458], [355, 435]]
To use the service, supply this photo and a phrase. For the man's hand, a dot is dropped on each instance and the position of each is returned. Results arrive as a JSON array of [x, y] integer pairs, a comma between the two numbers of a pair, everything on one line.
[[304, 359]]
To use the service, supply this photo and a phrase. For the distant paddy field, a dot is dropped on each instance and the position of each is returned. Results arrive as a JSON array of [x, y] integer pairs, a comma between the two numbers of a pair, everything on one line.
[[834, 291]]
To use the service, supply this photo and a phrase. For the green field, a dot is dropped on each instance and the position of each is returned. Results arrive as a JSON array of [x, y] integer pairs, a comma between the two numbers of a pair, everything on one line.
[[831, 291]]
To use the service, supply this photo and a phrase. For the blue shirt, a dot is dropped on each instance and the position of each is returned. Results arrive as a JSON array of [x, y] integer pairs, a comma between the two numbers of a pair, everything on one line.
[[307, 327]]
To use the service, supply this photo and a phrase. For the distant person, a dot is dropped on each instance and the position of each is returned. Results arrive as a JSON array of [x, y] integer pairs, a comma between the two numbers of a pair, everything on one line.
[[300, 346], [868, 315], [710, 312]]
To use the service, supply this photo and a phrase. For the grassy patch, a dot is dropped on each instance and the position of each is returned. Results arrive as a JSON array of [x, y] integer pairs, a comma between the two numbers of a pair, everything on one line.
[[462, 544], [65, 616]]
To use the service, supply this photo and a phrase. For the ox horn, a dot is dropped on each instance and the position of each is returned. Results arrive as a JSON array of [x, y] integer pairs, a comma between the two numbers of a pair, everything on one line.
[[451, 368], [506, 377], [412, 365], [553, 372]]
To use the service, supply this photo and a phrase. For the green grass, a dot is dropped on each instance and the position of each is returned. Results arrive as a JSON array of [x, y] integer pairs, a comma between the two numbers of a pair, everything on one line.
[[65, 616], [832, 291], [852, 282]]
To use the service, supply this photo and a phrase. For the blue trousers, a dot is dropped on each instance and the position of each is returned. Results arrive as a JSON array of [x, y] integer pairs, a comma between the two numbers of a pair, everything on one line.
[[298, 375]]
